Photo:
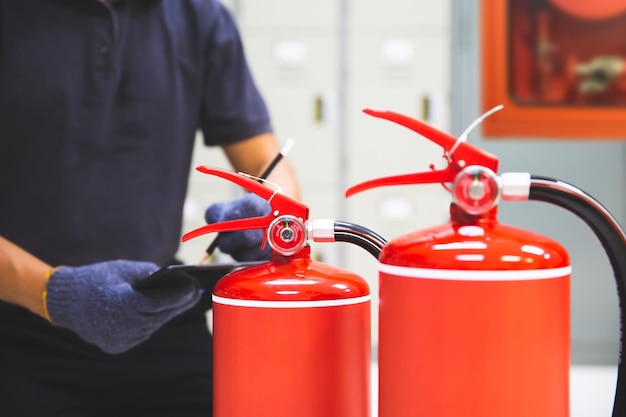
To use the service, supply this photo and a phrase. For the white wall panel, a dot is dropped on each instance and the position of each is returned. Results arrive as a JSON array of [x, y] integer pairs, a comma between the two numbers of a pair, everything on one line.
[[417, 14], [278, 14]]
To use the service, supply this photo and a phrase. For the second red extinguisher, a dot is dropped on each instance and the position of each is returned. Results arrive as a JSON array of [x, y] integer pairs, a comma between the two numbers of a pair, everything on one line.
[[474, 315], [292, 335]]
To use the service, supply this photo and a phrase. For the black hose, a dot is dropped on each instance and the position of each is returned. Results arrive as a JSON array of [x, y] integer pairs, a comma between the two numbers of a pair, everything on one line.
[[612, 238], [360, 236]]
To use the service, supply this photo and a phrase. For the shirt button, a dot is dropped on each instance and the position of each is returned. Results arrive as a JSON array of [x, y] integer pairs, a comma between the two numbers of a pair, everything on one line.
[[104, 49]]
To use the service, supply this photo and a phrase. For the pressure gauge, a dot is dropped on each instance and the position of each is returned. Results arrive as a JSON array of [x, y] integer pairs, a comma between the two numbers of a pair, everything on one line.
[[287, 235], [476, 189]]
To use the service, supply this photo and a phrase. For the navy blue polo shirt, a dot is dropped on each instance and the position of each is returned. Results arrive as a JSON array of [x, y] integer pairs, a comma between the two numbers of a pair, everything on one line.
[[99, 105]]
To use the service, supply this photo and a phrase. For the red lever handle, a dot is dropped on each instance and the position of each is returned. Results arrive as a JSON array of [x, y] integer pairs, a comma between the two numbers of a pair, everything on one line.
[[279, 203], [458, 153]]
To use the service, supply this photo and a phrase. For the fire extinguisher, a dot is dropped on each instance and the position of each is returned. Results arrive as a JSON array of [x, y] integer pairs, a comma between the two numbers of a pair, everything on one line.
[[291, 335], [474, 315]]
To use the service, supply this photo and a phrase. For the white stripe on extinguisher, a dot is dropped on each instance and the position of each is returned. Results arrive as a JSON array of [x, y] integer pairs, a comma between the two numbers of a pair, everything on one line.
[[475, 275], [291, 304]]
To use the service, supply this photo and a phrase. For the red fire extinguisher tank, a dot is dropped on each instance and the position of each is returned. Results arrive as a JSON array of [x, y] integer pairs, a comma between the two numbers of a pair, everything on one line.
[[474, 321], [291, 337], [474, 316]]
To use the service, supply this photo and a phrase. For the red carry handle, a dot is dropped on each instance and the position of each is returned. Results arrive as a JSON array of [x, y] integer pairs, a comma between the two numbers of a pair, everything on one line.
[[458, 153], [280, 205]]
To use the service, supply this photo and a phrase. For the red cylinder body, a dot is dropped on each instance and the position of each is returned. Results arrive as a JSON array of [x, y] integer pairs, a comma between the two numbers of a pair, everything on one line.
[[474, 322], [291, 338]]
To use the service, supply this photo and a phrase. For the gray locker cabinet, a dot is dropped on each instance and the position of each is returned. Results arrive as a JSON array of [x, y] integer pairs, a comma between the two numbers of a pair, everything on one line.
[[292, 91], [398, 54]]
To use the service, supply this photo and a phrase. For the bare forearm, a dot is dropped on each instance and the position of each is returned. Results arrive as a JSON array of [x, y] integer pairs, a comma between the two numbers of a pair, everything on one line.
[[252, 156], [284, 176], [22, 277]]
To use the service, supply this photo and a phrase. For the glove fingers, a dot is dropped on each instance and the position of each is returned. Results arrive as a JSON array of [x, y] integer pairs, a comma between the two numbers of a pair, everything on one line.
[[230, 242], [166, 277], [245, 245], [242, 245], [101, 304], [250, 205], [165, 290], [157, 299], [141, 325], [166, 315], [215, 213], [252, 254], [131, 271], [114, 346]]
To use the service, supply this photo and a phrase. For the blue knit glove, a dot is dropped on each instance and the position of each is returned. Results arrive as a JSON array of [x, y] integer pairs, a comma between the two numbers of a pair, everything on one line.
[[100, 304], [244, 245]]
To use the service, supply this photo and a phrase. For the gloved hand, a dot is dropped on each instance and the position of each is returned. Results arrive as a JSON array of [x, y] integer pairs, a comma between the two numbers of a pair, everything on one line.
[[100, 304], [244, 245]]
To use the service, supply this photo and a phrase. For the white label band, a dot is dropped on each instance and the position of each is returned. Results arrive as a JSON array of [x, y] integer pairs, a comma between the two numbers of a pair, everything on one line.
[[475, 275], [291, 304]]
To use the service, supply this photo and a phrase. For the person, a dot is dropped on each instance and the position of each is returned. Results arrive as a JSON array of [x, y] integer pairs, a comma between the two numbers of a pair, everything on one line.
[[100, 102]]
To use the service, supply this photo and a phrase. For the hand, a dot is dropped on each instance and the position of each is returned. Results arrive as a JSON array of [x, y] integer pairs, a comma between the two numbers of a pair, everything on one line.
[[244, 245], [100, 303]]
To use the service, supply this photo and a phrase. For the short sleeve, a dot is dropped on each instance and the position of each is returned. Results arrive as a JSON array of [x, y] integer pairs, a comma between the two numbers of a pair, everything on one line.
[[232, 107]]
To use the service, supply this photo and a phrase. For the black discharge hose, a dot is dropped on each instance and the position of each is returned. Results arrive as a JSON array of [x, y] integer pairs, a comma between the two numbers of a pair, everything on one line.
[[612, 238], [360, 236]]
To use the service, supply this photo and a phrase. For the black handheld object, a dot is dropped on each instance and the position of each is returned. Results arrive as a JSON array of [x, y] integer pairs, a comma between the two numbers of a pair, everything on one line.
[[205, 275]]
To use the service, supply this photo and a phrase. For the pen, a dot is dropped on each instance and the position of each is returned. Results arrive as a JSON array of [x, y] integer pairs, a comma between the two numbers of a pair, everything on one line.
[[266, 173]]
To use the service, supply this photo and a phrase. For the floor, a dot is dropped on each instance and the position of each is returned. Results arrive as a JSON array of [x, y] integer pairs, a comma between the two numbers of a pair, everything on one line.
[[592, 389]]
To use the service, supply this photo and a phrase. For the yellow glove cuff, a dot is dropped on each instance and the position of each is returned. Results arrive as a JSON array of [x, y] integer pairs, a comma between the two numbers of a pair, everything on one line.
[[44, 294]]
